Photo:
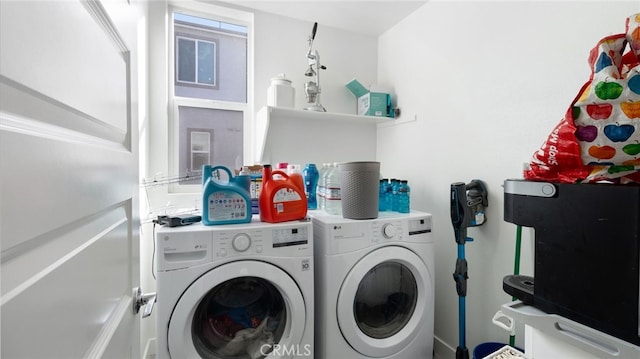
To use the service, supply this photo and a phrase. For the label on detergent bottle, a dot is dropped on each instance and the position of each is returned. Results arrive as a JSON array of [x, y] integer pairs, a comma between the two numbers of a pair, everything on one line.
[[284, 195], [226, 205]]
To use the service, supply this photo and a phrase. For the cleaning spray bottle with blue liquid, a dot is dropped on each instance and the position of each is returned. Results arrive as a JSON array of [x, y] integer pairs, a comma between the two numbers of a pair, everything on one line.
[[225, 202]]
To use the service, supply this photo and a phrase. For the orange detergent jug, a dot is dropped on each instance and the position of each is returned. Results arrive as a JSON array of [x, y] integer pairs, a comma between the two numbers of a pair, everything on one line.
[[282, 198]]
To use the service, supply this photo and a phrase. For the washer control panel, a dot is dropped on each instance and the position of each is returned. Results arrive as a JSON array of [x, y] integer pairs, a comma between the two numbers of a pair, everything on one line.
[[284, 237], [241, 242], [179, 249], [186, 246]]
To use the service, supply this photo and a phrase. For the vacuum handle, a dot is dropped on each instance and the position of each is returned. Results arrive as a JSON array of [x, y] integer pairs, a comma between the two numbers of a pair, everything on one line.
[[459, 213], [458, 204], [313, 32]]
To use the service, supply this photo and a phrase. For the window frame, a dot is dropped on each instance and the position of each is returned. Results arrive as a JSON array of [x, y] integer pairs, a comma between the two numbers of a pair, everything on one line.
[[218, 13]]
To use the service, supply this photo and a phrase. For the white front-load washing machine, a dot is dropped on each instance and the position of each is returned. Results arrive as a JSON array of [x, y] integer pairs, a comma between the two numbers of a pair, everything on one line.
[[374, 286], [235, 291]]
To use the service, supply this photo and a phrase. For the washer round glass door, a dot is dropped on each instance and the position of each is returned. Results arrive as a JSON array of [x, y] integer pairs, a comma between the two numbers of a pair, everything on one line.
[[382, 301], [238, 310]]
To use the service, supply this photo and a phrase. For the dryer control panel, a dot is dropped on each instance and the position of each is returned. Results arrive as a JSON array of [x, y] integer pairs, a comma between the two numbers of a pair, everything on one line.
[[344, 235]]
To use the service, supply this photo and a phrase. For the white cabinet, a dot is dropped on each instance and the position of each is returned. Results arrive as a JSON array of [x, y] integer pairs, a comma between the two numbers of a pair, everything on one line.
[[298, 136], [552, 336], [539, 344]]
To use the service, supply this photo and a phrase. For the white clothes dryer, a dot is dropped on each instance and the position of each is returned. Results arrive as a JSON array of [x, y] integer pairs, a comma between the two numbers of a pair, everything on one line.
[[374, 286], [235, 291]]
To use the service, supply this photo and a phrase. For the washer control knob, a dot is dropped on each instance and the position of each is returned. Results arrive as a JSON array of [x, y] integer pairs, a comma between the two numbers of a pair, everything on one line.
[[241, 242], [388, 231]]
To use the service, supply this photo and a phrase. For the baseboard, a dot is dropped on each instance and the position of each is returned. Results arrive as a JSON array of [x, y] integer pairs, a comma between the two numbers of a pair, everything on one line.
[[443, 350], [150, 349]]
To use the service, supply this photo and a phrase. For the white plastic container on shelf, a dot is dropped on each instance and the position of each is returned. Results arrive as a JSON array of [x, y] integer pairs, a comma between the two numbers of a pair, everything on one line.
[[281, 93]]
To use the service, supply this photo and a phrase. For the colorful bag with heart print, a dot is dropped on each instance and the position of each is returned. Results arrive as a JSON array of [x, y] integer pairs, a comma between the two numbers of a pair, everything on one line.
[[599, 136]]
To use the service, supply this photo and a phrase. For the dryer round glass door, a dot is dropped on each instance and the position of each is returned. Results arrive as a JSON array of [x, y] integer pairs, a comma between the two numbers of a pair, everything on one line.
[[385, 300], [382, 301], [238, 310]]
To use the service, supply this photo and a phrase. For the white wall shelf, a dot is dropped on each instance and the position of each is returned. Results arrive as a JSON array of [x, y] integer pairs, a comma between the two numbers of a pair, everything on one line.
[[324, 116], [299, 136]]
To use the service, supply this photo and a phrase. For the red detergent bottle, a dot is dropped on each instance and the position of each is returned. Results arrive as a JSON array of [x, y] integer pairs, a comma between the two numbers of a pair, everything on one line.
[[282, 198]]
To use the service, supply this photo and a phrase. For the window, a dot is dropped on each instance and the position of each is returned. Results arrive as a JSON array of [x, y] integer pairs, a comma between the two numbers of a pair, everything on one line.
[[195, 61], [200, 148], [209, 136], [209, 93], [210, 58]]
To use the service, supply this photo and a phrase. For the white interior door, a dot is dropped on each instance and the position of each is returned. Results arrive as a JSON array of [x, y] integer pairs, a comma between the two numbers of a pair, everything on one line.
[[69, 177]]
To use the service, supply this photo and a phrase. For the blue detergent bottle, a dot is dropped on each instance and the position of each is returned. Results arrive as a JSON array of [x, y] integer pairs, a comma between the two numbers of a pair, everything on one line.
[[225, 202]]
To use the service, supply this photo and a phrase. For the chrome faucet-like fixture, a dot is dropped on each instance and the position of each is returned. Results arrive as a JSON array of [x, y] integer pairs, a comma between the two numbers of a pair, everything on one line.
[[312, 88]]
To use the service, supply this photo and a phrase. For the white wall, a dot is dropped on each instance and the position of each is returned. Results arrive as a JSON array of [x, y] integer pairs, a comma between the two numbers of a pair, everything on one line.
[[487, 82], [281, 47]]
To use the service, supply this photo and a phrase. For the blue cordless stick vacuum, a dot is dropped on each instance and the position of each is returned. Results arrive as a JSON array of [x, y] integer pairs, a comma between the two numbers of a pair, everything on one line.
[[468, 202]]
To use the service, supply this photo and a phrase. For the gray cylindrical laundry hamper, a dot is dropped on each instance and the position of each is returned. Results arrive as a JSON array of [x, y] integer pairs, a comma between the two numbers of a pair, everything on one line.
[[359, 183]]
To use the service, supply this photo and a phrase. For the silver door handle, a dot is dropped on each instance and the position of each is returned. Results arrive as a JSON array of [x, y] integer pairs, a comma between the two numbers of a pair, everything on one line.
[[146, 300]]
